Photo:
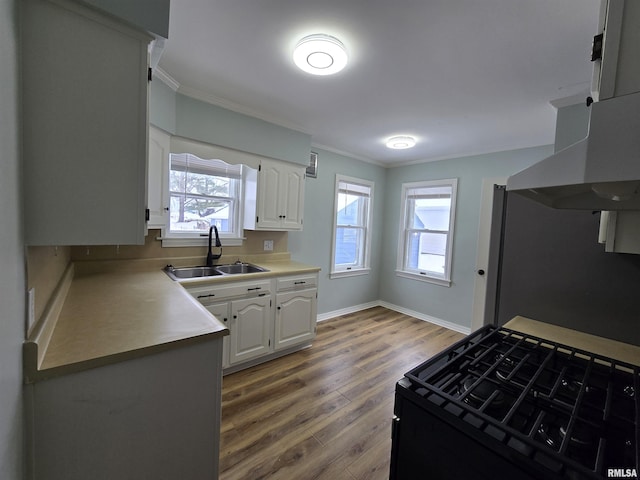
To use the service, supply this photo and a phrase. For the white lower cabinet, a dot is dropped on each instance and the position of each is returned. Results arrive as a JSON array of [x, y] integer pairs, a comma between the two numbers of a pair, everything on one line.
[[249, 329], [266, 318], [295, 319]]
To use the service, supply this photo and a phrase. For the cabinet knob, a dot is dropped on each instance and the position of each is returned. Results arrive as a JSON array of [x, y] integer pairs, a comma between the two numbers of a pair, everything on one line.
[[481, 272]]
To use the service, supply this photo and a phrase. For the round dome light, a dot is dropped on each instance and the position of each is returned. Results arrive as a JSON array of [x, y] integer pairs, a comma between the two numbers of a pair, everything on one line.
[[400, 143], [320, 54]]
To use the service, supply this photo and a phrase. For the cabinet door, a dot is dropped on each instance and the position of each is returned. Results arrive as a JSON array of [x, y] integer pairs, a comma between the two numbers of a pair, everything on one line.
[[84, 84], [250, 329], [295, 318], [156, 172], [292, 197], [269, 209], [221, 312]]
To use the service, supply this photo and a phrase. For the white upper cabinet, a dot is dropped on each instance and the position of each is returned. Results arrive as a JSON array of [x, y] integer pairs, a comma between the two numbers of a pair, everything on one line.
[[274, 197], [85, 123], [617, 67], [159, 145]]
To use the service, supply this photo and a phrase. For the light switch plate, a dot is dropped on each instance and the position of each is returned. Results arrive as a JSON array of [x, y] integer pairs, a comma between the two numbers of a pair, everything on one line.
[[268, 245]]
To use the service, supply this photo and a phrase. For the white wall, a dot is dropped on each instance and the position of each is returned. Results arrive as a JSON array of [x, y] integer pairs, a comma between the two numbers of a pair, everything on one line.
[[12, 277]]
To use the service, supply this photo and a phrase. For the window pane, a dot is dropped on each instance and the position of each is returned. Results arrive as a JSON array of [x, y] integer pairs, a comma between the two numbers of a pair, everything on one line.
[[198, 183], [351, 209], [348, 246], [430, 213], [427, 252], [197, 214]]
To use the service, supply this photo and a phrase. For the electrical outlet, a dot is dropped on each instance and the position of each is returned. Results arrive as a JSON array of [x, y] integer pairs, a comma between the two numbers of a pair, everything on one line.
[[268, 245]]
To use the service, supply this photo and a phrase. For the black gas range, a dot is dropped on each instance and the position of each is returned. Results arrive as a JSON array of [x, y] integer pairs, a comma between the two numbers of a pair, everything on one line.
[[503, 404]]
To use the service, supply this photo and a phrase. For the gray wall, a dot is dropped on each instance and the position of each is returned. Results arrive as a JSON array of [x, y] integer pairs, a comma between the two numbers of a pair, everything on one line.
[[455, 303], [192, 118], [313, 244], [12, 277]]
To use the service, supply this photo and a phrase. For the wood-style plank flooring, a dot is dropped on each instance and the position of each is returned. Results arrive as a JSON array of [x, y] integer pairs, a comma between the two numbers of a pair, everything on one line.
[[325, 412]]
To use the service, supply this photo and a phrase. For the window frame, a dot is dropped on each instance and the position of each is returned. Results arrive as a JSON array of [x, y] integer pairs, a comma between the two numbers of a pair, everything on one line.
[[405, 230], [187, 239], [363, 267]]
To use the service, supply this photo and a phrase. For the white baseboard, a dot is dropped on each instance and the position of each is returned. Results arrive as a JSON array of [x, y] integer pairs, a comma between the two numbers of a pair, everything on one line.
[[396, 308], [346, 311]]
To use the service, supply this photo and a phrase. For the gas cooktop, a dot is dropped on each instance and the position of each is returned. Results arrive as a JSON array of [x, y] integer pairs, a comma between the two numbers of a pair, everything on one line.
[[565, 410]]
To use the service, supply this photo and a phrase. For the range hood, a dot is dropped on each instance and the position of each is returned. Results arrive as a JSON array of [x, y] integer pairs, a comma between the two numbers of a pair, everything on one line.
[[600, 172]]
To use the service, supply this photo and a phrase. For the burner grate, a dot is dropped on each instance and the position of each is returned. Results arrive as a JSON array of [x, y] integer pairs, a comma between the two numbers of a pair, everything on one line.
[[569, 411]]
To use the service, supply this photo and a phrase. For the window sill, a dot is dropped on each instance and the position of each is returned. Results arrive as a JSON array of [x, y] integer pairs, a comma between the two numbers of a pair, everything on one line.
[[350, 273], [424, 278], [197, 241]]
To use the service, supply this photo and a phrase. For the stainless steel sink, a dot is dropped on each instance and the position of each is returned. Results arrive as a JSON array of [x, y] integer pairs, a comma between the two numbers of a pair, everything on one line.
[[190, 272], [181, 273], [238, 268]]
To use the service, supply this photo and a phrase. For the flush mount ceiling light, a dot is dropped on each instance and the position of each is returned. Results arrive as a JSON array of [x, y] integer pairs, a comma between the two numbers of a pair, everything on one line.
[[400, 143], [320, 54]]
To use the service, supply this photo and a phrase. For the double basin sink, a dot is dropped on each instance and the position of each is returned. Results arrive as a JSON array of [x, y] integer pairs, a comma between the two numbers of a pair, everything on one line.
[[181, 273]]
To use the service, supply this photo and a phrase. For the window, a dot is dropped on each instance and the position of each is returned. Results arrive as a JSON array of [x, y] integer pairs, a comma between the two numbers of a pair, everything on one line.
[[351, 232], [203, 193], [426, 230]]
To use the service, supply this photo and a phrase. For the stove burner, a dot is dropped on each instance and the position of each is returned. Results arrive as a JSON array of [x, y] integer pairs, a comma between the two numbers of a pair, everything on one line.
[[553, 436], [479, 395]]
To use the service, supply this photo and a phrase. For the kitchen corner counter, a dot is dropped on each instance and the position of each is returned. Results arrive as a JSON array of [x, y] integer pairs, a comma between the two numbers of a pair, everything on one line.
[[110, 316], [623, 352]]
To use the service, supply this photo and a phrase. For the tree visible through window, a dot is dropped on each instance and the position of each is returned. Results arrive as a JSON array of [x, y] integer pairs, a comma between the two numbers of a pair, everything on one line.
[[352, 225], [427, 229], [203, 193]]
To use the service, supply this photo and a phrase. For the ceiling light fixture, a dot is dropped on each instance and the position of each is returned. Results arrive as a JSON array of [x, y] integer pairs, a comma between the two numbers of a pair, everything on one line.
[[400, 143], [320, 54]]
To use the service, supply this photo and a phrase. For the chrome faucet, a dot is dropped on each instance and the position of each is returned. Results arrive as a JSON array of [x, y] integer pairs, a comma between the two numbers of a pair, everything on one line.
[[210, 256]]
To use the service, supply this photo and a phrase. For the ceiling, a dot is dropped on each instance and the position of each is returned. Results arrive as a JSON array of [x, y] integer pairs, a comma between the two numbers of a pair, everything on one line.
[[463, 77]]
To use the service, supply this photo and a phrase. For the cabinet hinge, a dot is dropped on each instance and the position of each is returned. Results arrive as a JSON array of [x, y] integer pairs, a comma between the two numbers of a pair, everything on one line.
[[270, 303], [257, 219], [150, 74], [260, 167], [596, 48], [147, 214], [269, 342]]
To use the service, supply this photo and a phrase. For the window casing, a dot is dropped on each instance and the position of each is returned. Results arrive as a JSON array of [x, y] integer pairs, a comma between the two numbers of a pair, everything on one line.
[[426, 230], [352, 227], [203, 193]]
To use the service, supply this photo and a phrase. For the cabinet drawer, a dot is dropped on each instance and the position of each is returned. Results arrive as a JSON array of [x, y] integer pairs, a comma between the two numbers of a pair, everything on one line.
[[298, 281], [215, 293]]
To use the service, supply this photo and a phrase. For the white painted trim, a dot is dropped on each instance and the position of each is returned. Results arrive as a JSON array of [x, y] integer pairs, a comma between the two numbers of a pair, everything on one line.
[[165, 78], [412, 313], [426, 318], [345, 311]]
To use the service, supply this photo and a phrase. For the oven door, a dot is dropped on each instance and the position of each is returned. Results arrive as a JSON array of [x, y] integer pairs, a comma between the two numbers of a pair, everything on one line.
[[427, 444]]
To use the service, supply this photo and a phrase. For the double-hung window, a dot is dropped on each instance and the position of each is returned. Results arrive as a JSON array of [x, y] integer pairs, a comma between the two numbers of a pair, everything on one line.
[[426, 230], [352, 226], [203, 193]]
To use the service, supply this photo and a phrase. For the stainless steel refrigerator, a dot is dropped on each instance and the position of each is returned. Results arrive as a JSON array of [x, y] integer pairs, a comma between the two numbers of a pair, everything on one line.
[[546, 264]]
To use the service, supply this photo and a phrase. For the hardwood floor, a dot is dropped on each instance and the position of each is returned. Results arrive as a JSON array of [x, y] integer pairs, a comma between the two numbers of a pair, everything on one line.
[[325, 412]]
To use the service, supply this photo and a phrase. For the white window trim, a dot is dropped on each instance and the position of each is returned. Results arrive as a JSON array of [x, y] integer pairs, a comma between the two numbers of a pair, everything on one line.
[[429, 277], [366, 268]]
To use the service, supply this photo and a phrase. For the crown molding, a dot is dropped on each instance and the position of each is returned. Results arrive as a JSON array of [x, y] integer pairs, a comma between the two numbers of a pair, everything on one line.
[[347, 154], [165, 78]]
